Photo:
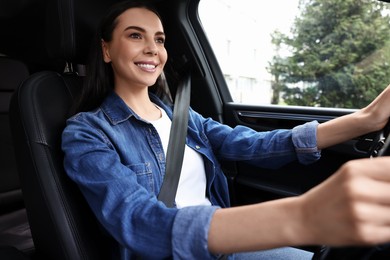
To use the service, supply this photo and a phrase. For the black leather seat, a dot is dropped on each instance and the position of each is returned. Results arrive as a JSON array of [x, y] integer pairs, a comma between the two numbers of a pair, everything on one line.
[[62, 225], [14, 226], [12, 73]]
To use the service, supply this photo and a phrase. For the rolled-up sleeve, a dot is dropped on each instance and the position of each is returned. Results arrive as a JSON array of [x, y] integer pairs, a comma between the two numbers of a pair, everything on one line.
[[186, 225], [268, 149], [304, 138]]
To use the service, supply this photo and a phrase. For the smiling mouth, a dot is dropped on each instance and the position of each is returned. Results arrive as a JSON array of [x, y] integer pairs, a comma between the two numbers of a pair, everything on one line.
[[146, 66]]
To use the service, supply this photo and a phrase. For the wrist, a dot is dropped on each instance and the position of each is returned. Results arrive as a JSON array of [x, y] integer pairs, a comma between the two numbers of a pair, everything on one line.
[[370, 119], [299, 230]]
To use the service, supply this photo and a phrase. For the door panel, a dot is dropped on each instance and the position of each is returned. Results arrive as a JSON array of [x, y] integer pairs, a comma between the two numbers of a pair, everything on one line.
[[252, 184]]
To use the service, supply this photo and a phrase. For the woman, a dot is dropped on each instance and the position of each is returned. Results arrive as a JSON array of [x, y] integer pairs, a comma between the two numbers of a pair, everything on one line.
[[115, 151]]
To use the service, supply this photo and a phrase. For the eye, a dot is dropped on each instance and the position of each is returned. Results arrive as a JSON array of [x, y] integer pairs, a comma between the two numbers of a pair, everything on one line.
[[160, 40], [135, 36]]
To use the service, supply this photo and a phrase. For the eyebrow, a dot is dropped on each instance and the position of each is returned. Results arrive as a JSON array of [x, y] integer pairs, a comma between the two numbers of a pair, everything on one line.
[[137, 28]]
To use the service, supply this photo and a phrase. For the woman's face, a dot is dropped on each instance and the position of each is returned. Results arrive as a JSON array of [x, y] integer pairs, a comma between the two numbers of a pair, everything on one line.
[[136, 51]]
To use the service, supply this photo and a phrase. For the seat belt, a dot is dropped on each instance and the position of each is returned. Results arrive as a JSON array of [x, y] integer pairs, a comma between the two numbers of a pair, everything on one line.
[[176, 143]]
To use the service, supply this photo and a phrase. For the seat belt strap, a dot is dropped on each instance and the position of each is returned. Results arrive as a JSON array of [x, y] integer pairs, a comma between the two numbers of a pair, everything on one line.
[[176, 143]]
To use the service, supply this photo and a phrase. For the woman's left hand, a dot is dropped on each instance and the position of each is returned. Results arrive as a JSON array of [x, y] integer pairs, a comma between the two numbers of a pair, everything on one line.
[[368, 119], [378, 111]]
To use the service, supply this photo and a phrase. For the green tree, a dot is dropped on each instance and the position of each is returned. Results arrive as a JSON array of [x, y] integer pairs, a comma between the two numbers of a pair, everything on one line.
[[339, 54]]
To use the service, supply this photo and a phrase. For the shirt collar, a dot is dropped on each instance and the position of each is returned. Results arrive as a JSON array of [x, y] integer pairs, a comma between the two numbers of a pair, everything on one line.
[[117, 111]]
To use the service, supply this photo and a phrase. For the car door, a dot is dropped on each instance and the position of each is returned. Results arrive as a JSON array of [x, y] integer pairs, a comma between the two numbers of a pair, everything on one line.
[[211, 31]]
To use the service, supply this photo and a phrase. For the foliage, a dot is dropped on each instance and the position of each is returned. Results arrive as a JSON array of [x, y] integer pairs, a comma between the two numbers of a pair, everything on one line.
[[339, 54]]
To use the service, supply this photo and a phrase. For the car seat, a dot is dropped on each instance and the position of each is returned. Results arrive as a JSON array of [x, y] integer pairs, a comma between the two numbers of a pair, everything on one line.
[[62, 225], [14, 226]]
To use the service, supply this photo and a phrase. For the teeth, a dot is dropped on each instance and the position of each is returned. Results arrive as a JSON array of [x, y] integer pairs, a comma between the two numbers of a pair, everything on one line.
[[146, 66]]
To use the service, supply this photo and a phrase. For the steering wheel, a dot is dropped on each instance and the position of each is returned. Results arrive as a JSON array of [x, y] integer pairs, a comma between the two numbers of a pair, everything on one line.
[[380, 147], [381, 144]]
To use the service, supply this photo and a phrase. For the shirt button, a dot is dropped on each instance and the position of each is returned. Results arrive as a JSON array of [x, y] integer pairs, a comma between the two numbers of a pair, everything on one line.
[[197, 147]]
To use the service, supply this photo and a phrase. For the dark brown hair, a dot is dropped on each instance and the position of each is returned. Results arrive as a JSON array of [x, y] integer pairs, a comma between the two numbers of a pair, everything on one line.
[[99, 80]]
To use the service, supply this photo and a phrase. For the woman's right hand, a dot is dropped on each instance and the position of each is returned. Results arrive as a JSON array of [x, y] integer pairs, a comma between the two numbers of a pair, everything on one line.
[[352, 207]]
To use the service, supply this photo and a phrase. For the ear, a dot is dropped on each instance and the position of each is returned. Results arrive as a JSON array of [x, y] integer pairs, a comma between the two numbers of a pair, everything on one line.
[[106, 52]]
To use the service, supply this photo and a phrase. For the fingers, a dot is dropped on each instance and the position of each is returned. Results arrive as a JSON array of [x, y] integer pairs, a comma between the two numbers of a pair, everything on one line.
[[374, 235], [376, 168], [369, 224], [370, 191], [352, 207], [368, 180], [368, 195]]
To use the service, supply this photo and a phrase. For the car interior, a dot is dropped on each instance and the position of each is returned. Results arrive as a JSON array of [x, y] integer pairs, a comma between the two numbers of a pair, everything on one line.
[[43, 52]]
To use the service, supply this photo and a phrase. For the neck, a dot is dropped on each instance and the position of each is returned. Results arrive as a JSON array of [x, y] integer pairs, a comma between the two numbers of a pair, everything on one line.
[[139, 101]]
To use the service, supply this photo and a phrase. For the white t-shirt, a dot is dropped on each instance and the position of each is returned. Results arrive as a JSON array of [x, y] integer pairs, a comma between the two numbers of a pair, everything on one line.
[[191, 190]]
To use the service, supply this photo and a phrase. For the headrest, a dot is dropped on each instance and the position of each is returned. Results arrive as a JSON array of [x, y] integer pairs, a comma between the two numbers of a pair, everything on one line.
[[12, 73], [71, 25]]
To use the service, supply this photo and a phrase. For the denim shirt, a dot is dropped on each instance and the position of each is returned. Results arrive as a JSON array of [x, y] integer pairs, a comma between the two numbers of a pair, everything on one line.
[[118, 161]]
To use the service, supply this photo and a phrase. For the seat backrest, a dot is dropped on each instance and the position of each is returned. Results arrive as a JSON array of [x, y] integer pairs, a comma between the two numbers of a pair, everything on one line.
[[61, 222], [14, 226], [12, 73]]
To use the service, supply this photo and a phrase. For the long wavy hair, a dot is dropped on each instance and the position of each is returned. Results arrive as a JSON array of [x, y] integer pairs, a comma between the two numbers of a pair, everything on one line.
[[99, 79]]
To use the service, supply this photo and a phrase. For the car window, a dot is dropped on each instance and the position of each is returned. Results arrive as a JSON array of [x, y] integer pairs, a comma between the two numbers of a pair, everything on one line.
[[322, 53]]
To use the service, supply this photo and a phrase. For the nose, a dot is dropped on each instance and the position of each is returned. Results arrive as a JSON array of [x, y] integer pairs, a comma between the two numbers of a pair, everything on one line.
[[151, 48]]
